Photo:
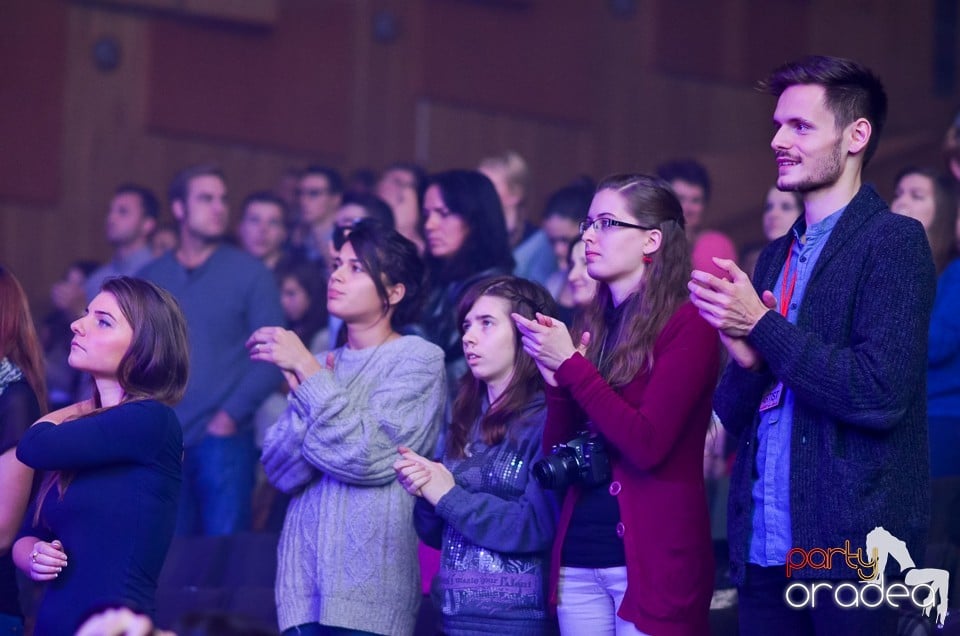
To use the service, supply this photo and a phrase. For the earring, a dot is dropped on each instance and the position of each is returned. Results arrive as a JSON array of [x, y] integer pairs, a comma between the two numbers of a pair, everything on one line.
[[647, 259]]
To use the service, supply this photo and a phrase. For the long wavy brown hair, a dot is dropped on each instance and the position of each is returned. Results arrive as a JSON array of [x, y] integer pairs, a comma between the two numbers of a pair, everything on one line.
[[525, 298], [662, 289], [18, 336], [154, 367]]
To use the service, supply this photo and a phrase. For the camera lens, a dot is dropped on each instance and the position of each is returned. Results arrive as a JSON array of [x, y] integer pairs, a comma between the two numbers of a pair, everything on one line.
[[558, 470], [545, 473]]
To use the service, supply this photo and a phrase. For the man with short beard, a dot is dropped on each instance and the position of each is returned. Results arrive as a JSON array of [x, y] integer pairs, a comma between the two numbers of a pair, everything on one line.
[[131, 220], [826, 388]]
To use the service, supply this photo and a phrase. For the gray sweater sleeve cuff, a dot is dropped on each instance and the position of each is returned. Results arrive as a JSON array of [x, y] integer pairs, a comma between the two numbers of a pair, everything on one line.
[[316, 394]]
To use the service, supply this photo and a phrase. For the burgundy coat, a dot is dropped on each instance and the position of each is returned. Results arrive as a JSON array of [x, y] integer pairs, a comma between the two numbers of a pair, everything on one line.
[[656, 425]]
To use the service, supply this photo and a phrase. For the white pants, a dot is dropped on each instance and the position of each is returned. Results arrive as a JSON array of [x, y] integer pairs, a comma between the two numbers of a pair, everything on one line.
[[589, 600]]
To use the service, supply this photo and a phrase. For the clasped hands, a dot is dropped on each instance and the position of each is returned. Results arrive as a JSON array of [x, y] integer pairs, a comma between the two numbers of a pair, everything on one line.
[[284, 348], [47, 560], [732, 306], [421, 477], [548, 341]]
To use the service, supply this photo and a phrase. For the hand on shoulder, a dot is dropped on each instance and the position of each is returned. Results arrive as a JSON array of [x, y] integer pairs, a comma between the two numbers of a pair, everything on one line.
[[79, 409]]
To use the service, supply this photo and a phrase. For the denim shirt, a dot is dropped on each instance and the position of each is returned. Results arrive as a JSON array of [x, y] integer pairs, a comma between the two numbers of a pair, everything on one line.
[[771, 538]]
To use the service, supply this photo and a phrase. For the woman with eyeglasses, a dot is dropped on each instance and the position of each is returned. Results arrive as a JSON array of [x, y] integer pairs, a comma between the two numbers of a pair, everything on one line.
[[481, 506], [347, 559], [633, 553]]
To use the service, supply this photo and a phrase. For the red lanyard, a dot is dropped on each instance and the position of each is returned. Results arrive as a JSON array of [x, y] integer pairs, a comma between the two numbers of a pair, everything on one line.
[[786, 291]]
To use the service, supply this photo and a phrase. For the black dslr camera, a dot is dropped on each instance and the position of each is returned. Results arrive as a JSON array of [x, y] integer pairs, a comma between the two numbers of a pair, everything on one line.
[[583, 459]]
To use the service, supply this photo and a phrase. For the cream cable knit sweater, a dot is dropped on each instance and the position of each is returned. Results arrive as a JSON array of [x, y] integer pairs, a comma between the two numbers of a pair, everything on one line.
[[348, 551]]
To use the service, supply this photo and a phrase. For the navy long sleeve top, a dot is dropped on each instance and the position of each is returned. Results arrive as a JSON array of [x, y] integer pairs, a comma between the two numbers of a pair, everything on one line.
[[117, 515]]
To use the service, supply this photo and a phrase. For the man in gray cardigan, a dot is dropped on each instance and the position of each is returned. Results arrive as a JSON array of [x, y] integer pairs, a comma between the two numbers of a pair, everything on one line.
[[825, 390]]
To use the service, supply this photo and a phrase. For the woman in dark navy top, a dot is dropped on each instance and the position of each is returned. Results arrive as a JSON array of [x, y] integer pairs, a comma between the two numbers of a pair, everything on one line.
[[106, 510]]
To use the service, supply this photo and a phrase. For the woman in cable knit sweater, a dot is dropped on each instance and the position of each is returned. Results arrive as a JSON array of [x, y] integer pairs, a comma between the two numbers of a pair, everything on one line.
[[481, 506], [347, 561]]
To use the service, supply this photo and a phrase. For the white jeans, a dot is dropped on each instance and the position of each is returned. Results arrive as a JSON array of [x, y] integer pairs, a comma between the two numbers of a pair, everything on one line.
[[589, 600]]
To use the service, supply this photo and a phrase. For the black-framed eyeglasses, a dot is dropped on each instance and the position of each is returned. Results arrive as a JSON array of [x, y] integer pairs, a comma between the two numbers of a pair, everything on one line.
[[599, 225]]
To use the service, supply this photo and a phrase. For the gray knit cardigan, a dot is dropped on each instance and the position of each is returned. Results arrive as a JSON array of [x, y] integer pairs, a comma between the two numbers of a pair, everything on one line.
[[348, 551]]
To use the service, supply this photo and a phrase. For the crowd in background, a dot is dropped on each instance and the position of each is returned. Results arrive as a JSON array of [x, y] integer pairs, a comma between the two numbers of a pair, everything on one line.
[[383, 358]]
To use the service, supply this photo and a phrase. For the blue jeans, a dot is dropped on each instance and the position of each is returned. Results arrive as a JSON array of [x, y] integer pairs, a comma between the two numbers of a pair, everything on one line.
[[218, 476], [316, 629]]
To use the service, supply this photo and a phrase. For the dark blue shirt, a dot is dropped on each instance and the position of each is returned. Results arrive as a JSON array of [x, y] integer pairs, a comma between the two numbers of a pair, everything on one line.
[[116, 517], [771, 539]]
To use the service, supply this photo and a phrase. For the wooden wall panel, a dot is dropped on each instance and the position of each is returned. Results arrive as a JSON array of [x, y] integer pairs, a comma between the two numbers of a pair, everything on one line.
[[458, 137], [692, 39], [387, 82], [570, 85], [251, 12], [535, 59], [621, 105], [775, 32], [285, 87], [106, 142], [33, 50]]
